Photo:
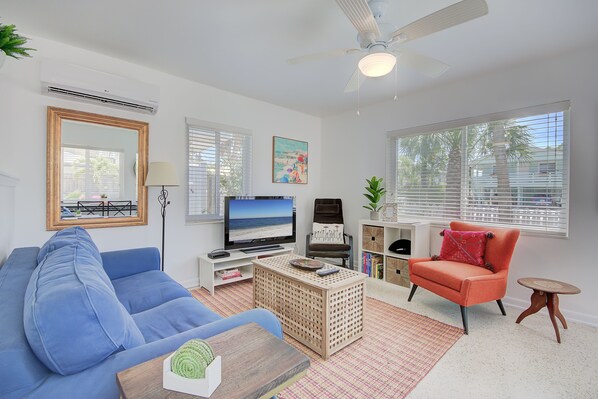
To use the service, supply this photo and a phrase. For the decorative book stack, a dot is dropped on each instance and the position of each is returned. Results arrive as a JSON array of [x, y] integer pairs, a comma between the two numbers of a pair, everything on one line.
[[228, 274]]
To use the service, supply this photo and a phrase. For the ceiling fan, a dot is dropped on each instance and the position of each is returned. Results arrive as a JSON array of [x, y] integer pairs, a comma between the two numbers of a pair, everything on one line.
[[378, 38]]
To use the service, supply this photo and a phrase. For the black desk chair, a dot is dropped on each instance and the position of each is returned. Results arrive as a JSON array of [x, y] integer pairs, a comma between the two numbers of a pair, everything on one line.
[[330, 211]]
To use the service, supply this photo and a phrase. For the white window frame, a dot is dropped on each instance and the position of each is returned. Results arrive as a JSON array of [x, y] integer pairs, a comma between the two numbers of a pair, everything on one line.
[[562, 106], [217, 128]]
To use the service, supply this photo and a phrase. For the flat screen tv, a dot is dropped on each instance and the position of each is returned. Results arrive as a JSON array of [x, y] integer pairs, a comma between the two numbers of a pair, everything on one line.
[[255, 222]]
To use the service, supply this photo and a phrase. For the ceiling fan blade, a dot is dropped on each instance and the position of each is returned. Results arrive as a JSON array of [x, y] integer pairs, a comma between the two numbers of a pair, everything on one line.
[[428, 66], [321, 56], [361, 17], [452, 15], [355, 82]]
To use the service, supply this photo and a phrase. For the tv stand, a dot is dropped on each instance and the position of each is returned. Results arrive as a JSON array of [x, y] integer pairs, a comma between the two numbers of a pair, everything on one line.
[[237, 260], [262, 249]]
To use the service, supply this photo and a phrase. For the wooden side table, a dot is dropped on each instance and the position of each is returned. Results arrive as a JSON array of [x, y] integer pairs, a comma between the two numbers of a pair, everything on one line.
[[255, 364], [546, 294]]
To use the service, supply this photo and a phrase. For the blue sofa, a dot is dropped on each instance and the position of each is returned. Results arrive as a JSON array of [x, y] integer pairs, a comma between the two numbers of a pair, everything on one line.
[[72, 317]]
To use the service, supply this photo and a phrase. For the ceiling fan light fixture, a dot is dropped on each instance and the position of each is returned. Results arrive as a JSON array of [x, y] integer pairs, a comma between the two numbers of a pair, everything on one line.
[[377, 64]]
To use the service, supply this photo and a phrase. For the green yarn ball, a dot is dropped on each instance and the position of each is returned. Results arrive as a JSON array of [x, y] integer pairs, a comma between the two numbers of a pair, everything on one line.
[[192, 359]]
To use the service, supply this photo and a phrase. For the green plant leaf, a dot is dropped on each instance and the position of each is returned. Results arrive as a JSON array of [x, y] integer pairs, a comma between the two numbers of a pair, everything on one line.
[[374, 193], [12, 43], [371, 190]]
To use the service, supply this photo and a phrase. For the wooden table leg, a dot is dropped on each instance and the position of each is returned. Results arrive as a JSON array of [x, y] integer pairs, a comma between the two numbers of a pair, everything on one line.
[[550, 303], [557, 311], [538, 301]]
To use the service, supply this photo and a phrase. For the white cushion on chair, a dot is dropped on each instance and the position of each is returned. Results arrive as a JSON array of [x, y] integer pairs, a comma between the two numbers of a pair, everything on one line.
[[327, 233]]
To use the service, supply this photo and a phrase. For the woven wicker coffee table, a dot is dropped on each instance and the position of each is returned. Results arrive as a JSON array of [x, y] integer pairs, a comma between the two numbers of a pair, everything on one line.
[[323, 313]]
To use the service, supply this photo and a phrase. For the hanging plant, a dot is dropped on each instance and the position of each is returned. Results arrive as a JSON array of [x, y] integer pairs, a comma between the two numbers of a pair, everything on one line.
[[11, 43]]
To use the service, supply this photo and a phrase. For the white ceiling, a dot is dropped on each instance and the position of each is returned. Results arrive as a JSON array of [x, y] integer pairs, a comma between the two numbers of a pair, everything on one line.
[[242, 45]]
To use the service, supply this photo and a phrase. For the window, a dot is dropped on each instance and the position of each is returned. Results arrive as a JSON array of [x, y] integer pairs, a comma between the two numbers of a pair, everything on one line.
[[547, 167], [89, 174], [509, 169], [219, 164]]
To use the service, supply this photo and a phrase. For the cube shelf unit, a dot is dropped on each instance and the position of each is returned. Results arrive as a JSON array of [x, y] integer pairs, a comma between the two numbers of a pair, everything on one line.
[[237, 260], [375, 236]]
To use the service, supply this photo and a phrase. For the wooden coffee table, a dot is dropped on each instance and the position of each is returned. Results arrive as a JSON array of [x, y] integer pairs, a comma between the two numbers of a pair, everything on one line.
[[255, 364], [546, 294], [323, 313]]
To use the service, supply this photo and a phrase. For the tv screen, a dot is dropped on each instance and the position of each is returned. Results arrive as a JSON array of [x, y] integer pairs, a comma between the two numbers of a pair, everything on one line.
[[258, 221]]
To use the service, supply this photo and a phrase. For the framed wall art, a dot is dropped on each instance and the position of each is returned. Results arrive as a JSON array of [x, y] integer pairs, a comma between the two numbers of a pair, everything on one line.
[[390, 212], [289, 161]]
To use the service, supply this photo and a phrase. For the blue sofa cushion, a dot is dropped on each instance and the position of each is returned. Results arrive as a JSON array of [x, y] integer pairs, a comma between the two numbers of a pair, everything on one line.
[[173, 317], [19, 367], [72, 318], [67, 237], [143, 291]]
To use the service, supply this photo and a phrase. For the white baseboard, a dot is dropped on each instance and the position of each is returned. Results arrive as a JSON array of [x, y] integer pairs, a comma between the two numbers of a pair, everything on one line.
[[191, 283], [570, 315]]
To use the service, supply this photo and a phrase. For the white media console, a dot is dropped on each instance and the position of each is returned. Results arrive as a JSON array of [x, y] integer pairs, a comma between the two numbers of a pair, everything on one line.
[[237, 260]]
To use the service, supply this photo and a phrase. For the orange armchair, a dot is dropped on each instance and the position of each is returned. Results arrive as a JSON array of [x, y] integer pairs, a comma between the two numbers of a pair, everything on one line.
[[467, 284]]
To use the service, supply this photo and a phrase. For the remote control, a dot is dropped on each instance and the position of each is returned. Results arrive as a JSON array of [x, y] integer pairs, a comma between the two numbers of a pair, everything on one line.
[[325, 272]]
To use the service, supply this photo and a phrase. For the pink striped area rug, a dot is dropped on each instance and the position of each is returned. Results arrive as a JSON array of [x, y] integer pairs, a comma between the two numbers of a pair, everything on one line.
[[398, 349]]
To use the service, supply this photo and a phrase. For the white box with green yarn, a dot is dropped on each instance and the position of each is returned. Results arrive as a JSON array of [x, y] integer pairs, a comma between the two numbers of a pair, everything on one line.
[[203, 387]]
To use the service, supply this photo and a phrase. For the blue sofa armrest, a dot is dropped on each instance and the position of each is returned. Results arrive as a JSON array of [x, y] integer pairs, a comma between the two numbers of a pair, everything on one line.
[[130, 261], [100, 381]]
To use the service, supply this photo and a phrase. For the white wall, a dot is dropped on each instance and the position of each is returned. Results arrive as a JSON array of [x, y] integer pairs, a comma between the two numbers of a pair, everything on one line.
[[23, 152], [7, 216], [354, 148]]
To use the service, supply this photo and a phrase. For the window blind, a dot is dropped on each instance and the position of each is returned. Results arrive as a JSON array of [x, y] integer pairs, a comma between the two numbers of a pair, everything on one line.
[[88, 173], [219, 164], [508, 169]]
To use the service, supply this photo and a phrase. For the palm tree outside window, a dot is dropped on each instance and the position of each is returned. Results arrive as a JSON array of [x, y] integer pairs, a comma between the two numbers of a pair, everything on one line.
[[506, 169]]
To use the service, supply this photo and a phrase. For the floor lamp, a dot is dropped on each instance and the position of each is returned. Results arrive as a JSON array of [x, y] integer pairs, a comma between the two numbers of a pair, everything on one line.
[[162, 174]]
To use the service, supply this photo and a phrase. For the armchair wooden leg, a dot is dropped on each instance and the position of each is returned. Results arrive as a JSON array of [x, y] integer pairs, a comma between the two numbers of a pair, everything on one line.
[[412, 292], [502, 308], [464, 317]]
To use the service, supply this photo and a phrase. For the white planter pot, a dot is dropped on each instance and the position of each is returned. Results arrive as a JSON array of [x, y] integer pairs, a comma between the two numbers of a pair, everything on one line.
[[203, 387], [374, 215], [2, 58]]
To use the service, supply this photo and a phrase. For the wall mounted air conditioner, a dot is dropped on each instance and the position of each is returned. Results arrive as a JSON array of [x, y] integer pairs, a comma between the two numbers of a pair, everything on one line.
[[78, 83]]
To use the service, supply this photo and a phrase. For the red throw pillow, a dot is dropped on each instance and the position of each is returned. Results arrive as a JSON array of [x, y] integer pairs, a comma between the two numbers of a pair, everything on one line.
[[464, 246]]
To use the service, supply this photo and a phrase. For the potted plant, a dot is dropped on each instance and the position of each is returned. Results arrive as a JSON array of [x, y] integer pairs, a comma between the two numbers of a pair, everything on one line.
[[374, 194], [11, 43]]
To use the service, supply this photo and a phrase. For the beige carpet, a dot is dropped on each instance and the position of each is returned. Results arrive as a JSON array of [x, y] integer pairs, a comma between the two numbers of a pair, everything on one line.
[[398, 349]]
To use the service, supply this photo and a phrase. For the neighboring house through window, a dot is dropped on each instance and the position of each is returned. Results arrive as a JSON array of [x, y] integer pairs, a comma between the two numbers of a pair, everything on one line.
[[219, 165], [547, 167], [509, 168]]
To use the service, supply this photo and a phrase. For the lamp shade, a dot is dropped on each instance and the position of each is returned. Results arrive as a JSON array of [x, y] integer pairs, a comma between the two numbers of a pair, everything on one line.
[[161, 174], [377, 64]]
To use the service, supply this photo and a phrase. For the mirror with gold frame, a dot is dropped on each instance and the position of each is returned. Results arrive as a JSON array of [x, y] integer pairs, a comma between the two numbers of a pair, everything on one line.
[[96, 165]]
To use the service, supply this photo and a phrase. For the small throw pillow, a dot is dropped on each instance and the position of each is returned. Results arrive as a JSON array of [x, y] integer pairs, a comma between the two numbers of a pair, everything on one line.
[[464, 246], [327, 233]]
